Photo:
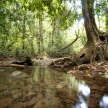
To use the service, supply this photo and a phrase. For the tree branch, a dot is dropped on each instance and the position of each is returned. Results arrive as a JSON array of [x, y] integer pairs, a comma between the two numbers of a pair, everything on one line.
[[77, 36]]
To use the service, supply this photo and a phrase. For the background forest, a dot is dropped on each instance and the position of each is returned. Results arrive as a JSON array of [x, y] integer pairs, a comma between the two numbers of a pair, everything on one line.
[[41, 27]]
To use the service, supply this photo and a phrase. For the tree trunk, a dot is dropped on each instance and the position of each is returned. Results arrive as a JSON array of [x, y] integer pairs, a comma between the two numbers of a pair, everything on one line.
[[23, 35], [40, 35], [96, 47], [106, 13], [53, 34]]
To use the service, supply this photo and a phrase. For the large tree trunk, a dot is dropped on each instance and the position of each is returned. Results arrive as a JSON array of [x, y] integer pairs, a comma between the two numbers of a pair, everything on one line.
[[96, 47]]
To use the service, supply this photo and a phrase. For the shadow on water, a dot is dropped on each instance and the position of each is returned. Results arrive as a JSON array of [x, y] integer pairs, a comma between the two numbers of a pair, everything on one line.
[[44, 88]]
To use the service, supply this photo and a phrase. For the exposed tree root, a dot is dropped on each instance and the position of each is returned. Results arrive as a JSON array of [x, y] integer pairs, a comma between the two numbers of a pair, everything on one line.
[[62, 62], [91, 53]]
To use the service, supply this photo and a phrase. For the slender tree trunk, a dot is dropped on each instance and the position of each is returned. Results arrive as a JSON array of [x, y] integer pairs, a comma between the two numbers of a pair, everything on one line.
[[31, 41], [16, 39], [23, 35], [53, 34], [40, 37]]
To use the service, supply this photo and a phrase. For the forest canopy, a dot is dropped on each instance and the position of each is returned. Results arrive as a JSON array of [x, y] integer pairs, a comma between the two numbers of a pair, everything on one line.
[[37, 27]]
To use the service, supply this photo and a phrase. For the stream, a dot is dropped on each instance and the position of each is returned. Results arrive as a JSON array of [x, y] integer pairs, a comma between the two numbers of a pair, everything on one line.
[[43, 87]]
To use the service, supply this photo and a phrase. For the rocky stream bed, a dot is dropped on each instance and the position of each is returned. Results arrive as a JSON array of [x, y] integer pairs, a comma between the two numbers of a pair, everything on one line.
[[43, 87]]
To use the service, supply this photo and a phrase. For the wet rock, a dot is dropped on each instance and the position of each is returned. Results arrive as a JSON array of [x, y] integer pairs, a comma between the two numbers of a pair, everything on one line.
[[1, 70], [54, 106], [52, 86], [43, 91], [16, 87], [61, 85], [50, 96], [44, 103], [96, 95], [30, 80], [14, 83], [62, 92], [4, 103], [56, 102], [68, 101], [3, 87], [32, 101], [27, 88], [36, 88], [24, 93], [5, 93], [18, 74], [22, 83], [92, 103], [2, 80], [12, 92], [60, 78], [94, 87], [19, 105], [40, 96], [17, 95], [29, 95], [43, 85], [8, 81], [71, 99], [1, 94]]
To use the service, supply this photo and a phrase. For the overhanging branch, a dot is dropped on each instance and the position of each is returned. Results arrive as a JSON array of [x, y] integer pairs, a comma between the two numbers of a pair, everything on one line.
[[77, 36]]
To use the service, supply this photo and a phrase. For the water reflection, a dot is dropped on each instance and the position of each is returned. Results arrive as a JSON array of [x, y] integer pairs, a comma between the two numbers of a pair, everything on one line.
[[84, 90], [81, 103], [63, 86], [44, 88], [84, 93], [104, 102], [56, 79]]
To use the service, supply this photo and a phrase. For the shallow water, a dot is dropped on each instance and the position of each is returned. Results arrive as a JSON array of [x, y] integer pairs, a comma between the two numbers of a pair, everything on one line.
[[40, 87]]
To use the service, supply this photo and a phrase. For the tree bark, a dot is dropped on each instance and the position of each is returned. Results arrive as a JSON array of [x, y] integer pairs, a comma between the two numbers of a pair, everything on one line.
[[106, 13], [53, 34], [40, 37], [24, 32], [97, 41]]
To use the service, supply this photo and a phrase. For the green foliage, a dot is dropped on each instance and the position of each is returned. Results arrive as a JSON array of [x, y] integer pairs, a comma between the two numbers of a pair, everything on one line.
[[21, 31]]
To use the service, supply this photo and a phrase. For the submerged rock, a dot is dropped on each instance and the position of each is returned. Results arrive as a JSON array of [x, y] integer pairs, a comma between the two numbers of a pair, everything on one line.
[[61, 85], [18, 74], [27, 88], [20, 105], [4, 103], [33, 101], [44, 103], [2, 87]]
